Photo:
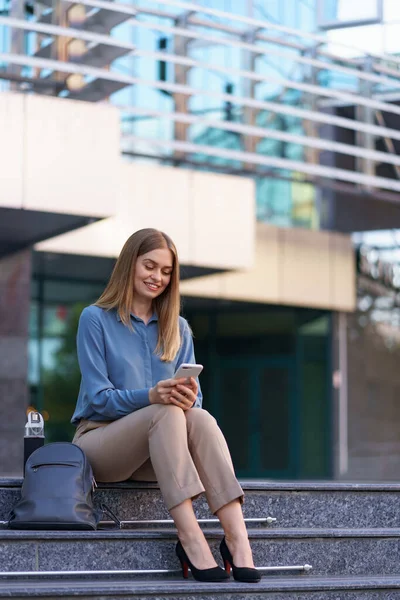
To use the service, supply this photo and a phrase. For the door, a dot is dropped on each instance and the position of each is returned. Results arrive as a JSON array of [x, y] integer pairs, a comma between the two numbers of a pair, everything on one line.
[[256, 410]]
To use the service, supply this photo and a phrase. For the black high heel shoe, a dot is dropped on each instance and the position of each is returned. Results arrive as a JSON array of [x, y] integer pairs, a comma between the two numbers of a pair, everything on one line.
[[247, 574], [214, 574]]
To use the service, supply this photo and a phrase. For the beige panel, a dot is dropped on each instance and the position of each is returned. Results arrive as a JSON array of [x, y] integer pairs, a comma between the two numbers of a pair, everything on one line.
[[211, 286], [11, 149], [223, 215], [263, 280], [72, 156], [164, 198], [305, 261], [292, 267], [254, 285], [159, 197], [343, 272], [103, 238]]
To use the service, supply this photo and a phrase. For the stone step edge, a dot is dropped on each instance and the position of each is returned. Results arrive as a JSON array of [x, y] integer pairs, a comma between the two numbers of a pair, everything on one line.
[[180, 588], [248, 485], [170, 534]]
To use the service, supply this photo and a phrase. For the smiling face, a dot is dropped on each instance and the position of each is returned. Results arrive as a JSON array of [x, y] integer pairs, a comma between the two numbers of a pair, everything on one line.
[[153, 273]]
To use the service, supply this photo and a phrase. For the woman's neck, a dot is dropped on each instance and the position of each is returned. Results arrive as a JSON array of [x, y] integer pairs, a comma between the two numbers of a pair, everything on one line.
[[142, 309]]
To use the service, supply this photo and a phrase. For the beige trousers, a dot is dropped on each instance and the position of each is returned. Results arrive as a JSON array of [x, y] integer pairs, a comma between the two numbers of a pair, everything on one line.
[[184, 451]]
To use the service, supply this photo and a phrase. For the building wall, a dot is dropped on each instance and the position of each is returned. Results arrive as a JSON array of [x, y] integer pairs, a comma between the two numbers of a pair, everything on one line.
[[15, 282], [373, 403]]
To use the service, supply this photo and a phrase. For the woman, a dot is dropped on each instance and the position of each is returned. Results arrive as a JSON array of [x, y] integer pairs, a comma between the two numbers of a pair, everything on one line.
[[135, 421]]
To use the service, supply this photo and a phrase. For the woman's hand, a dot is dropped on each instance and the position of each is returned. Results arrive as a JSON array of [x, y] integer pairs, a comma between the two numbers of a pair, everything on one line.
[[185, 393], [192, 384], [173, 391]]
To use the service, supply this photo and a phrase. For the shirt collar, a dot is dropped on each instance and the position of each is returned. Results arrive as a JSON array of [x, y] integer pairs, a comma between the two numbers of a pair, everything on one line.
[[154, 317]]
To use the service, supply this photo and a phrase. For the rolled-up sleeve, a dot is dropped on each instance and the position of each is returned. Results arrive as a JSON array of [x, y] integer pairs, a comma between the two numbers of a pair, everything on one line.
[[186, 355], [101, 394]]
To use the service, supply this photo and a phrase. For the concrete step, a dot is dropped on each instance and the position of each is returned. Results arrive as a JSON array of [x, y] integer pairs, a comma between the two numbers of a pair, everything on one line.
[[331, 552], [272, 588], [298, 504]]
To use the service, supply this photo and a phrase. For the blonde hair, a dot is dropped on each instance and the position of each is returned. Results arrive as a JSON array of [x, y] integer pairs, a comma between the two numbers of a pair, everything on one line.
[[119, 293]]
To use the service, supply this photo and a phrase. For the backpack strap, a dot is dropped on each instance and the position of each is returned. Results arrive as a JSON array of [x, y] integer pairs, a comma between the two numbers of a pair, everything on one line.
[[106, 510]]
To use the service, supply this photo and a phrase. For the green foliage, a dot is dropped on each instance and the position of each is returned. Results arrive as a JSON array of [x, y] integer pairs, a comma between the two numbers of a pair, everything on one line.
[[61, 384]]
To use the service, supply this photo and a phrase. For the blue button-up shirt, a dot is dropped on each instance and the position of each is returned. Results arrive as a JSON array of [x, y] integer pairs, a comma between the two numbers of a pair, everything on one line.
[[119, 366]]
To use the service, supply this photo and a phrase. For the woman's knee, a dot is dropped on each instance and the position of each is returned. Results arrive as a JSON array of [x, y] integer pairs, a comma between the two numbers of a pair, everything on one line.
[[200, 418], [166, 411]]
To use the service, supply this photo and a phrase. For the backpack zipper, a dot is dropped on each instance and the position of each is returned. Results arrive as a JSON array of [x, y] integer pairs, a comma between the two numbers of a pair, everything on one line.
[[64, 464]]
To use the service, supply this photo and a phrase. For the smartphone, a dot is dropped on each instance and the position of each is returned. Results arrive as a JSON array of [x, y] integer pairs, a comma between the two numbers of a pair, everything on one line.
[[188, 370]]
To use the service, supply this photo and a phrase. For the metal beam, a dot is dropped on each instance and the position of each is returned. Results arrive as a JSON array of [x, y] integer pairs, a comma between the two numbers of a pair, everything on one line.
[[264, 24], [271, 161], [129, 80], [262, 132]]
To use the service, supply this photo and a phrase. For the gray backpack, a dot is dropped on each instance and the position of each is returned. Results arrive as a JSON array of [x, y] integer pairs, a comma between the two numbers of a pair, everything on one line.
[[57, 492]]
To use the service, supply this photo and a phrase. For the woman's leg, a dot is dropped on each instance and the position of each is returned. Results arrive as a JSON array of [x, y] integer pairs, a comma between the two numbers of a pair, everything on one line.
[[158, 432], [236, 537], [191, 536], [212, 459], [211, 456]]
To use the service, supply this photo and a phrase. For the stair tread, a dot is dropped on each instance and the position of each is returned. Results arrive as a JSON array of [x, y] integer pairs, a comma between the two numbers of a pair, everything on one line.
[[168, 534], [253, 485], [179, 586]]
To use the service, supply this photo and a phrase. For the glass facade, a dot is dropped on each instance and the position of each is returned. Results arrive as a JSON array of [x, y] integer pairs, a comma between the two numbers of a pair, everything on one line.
[[281, 200], [266, 380], [217, 89]]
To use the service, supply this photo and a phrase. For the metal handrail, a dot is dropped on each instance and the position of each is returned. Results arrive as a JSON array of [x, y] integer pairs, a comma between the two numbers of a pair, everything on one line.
[[105, 74], [304, 87], [263, 24], [262, 132], [248, 520], [181, 60], [83, 573], [272, 161], [188, 33]]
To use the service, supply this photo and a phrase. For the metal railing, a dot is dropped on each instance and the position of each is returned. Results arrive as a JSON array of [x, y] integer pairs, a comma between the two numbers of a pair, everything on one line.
[[109, 63]]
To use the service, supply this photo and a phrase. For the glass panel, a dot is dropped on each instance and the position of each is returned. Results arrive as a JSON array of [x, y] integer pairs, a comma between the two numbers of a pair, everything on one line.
[[274, 419], [234, 413], [340, 13], [314, 412], [314, 398], [61, 378], [55, 320], [33, 362]]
